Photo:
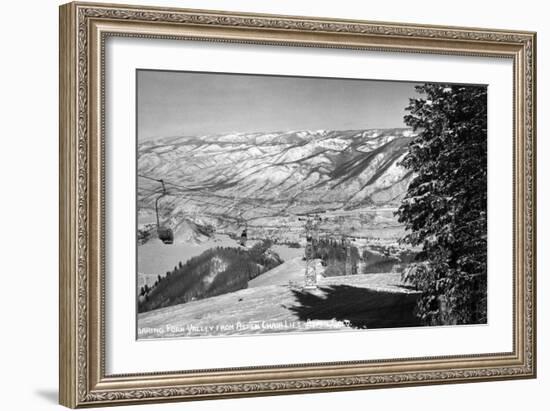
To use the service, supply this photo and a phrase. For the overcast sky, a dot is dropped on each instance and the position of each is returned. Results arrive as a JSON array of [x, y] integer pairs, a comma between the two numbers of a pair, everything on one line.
[[174, 103]]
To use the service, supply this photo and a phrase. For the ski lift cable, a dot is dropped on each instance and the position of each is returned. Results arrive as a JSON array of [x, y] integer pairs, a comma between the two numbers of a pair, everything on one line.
[[253, 204], [158, 180], [194, 191], [149, 195], [145, 191], [239, 218], [190, 191]]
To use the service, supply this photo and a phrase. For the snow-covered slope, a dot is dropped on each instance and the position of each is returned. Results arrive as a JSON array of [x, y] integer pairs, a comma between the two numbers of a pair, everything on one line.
[[289, 272], [358, 301]]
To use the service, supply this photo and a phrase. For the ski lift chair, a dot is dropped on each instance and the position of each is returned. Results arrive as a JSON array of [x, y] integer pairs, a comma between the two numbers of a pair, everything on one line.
[[166, 235]]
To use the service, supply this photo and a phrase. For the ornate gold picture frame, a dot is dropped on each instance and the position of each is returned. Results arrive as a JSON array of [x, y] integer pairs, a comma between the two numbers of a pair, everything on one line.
[[84, 30]]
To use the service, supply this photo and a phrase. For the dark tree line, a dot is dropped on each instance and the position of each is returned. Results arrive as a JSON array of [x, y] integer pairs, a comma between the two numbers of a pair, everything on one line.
[[333, 255], [445, 207]]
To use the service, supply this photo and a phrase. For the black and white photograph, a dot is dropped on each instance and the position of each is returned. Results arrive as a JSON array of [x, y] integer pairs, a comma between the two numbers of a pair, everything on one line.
[[281, 204]]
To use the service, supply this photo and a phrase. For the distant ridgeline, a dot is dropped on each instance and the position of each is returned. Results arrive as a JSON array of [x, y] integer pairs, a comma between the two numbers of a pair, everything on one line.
[[217, 271]]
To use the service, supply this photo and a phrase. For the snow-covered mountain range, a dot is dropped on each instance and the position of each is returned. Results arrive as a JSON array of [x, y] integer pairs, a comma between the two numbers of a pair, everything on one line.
[[265, 180]]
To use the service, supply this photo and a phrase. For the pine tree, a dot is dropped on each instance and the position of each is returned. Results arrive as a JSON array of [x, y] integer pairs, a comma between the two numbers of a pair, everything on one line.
[[445, 207]]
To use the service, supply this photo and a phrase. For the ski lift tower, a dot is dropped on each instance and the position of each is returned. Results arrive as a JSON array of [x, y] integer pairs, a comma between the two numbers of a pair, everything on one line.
[[312, 238]]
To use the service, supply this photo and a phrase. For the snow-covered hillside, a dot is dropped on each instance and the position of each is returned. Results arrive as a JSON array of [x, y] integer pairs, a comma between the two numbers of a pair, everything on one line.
[[274, 306], [289, 272]]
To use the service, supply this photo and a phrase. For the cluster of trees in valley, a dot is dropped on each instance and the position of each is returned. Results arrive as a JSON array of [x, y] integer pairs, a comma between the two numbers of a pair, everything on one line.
[[334, 257], [373, 259]]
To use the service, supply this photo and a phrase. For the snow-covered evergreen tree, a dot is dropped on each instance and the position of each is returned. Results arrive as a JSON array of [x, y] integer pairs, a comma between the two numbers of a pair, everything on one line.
[[445, 208]]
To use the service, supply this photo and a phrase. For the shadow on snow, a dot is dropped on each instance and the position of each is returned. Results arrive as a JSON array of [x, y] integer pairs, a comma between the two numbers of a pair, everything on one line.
[[362, 307]]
